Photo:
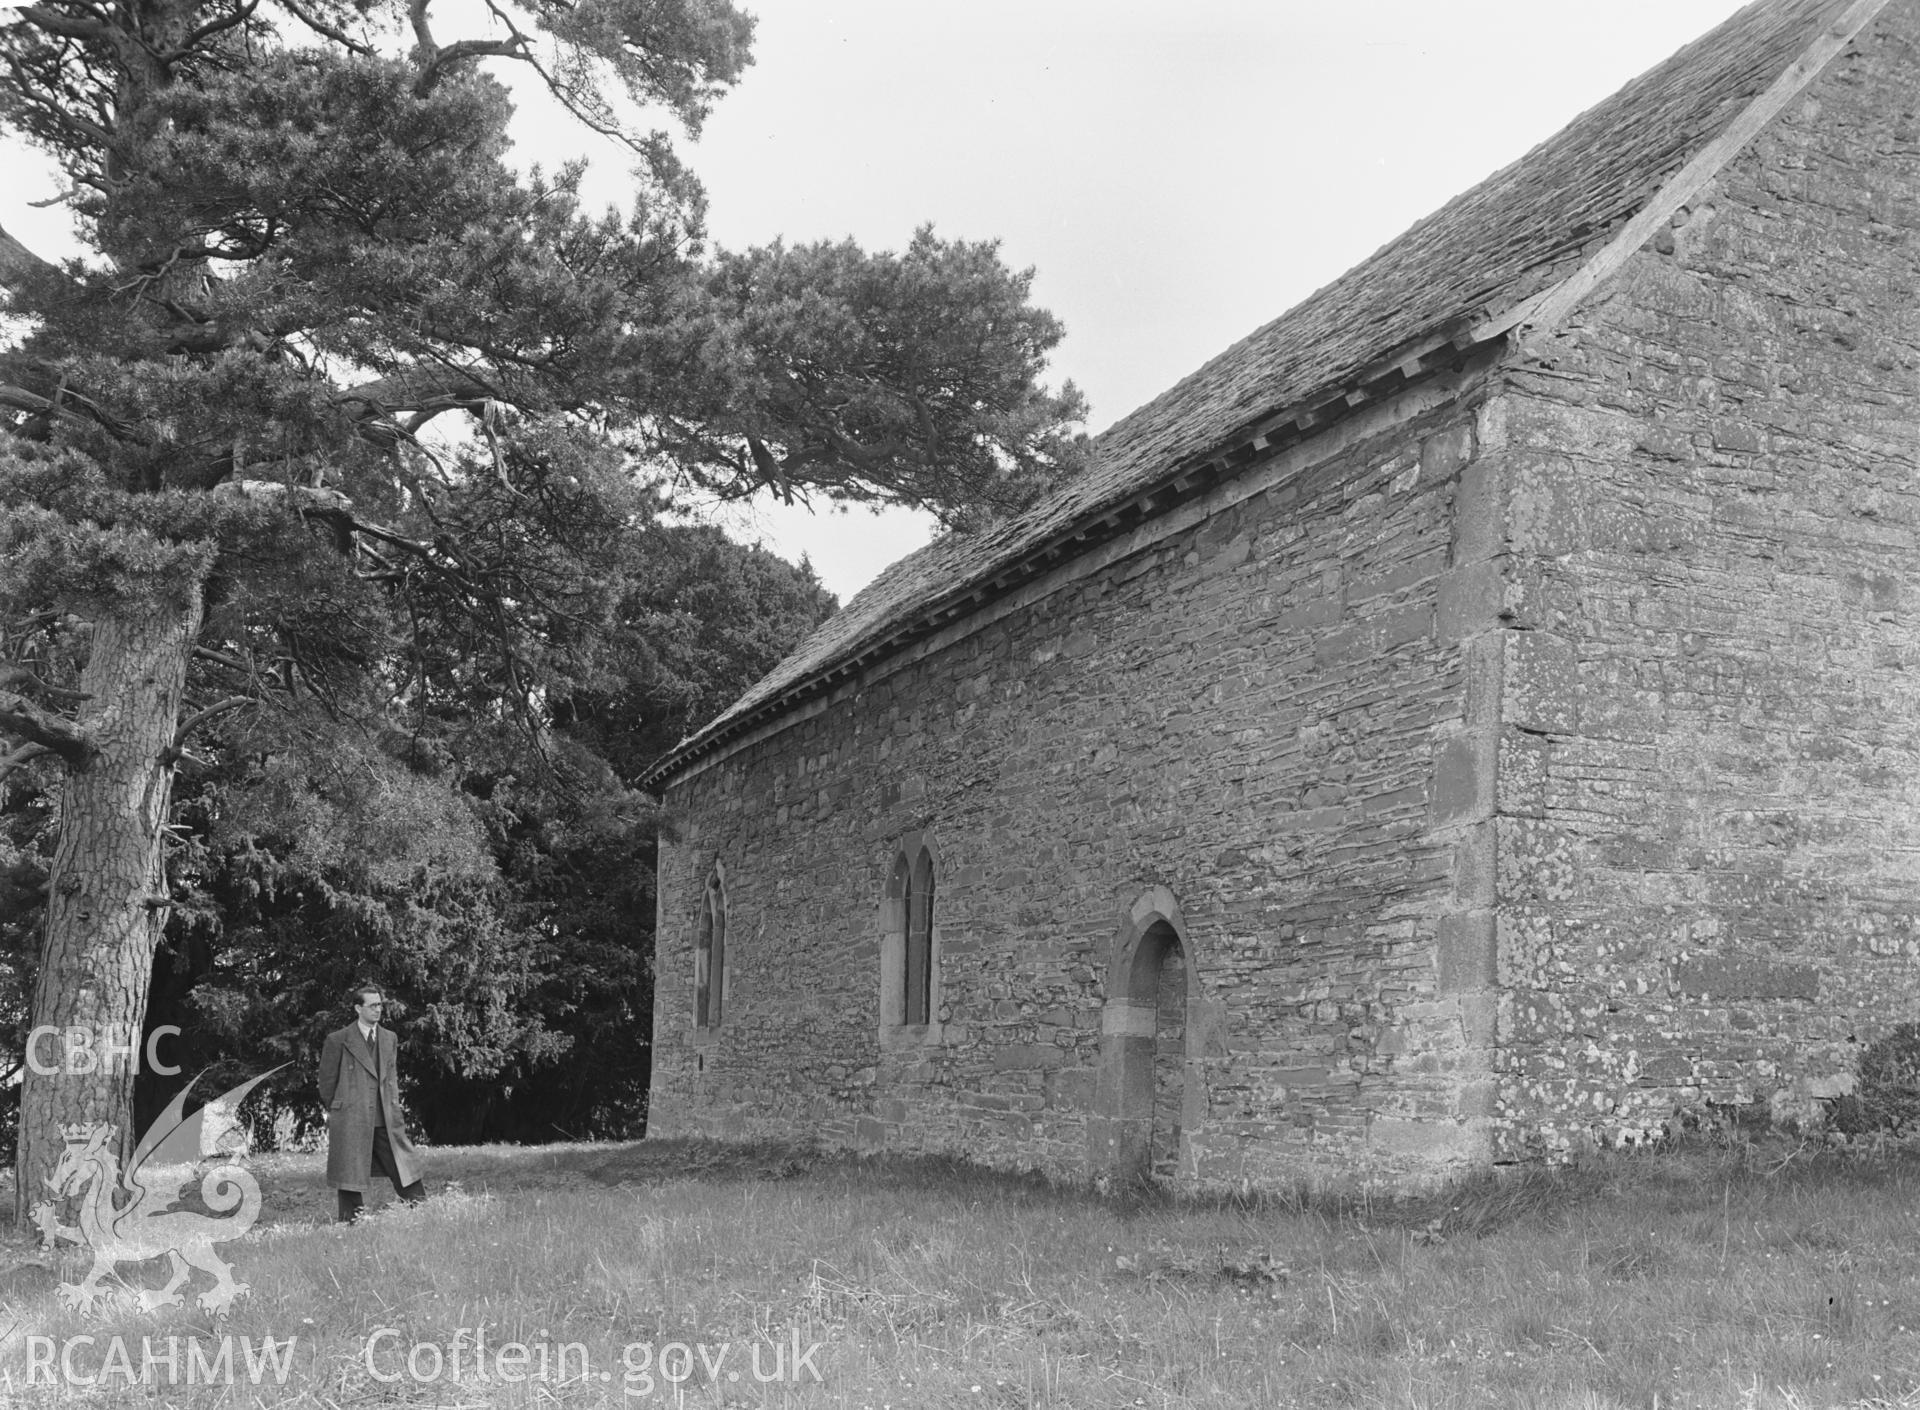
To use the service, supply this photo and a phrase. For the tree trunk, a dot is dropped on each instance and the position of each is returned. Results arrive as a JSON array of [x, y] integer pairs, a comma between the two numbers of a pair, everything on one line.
[[106, 893]]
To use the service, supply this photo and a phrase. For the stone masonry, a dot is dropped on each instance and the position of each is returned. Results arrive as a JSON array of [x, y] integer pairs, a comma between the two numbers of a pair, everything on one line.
[[1523, 758], [1243, 715], [1701, 505]]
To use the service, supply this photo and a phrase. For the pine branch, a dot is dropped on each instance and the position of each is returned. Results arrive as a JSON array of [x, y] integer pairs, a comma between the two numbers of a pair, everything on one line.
[[221, 658], [213, 711], [320, 27], [67, 25], [209, 29], [417, 17], [51, 732], [21, 679], [444, 59], [18, 264], [429, 389], [330, 505], [67, 403], [563, 93]]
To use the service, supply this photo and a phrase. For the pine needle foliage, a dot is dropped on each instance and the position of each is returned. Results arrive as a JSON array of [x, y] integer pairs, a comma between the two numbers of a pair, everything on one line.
[[343, 424]]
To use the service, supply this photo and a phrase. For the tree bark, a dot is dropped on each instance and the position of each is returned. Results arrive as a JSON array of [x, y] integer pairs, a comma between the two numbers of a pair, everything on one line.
[[105, 895]]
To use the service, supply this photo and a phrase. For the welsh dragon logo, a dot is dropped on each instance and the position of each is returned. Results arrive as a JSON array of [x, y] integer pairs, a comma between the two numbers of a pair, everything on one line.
[[125, 1215]]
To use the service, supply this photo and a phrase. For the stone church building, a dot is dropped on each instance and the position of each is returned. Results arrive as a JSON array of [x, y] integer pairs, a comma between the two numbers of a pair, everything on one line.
[[1475, 716]]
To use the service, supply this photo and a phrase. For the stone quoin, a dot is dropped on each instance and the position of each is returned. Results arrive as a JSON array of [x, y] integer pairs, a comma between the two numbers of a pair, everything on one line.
[[1476, 716]]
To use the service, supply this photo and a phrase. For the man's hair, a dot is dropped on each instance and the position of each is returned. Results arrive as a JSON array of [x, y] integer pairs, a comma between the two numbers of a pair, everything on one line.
[[359, 992]]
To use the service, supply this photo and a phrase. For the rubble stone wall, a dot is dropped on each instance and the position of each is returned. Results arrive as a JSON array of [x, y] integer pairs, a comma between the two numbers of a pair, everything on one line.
[[1708, 499], [1228, 726], [1513, 766]]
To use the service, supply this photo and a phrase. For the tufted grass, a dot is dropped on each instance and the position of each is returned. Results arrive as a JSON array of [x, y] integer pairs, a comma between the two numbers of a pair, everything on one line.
[[1737, 1276]]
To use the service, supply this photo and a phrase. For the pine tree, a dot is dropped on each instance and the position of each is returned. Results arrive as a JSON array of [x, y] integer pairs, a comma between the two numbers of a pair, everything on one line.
[[335, 379]]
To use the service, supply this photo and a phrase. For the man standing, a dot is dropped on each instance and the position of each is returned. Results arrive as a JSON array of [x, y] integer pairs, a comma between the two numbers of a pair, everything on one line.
[[360, 1087]]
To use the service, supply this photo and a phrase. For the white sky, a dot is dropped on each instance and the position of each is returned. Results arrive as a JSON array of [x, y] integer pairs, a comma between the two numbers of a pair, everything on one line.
[[1177, 173]]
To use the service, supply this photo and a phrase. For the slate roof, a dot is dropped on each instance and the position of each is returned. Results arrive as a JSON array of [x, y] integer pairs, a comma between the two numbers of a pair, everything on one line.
[[1515, 234]]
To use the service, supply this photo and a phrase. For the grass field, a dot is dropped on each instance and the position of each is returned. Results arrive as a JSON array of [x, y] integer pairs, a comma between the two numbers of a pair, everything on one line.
[[1729, 1275]]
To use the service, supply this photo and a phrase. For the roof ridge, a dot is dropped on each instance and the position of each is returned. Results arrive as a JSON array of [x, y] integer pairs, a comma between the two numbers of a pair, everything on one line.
[[1536, 318], [1504, 244]]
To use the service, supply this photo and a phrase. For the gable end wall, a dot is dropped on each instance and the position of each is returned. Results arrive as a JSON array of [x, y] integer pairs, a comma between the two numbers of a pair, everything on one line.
[[1709, 775]]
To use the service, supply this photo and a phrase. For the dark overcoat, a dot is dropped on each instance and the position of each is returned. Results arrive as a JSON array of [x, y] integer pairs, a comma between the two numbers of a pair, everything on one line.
[[356, 1102]]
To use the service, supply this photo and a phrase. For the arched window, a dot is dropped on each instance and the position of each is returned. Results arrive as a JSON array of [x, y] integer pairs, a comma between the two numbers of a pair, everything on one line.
[[710, 953], [918, 997], [910, 941]]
